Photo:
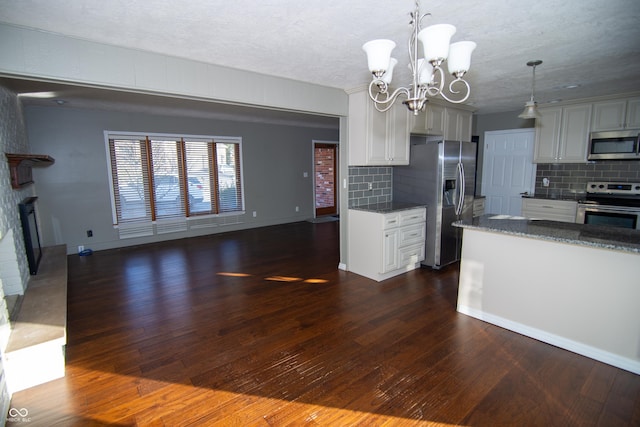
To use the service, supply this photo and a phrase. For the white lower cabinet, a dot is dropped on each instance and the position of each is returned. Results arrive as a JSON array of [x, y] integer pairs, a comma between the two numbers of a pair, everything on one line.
[[554, 210], [478, 206], [383, 245]]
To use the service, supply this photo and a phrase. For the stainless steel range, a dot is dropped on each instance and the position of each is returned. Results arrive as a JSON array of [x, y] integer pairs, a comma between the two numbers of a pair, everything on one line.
[[615, 204]]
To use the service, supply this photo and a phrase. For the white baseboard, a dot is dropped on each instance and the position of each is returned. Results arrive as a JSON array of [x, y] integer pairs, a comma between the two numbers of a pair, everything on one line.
[[558, 341]]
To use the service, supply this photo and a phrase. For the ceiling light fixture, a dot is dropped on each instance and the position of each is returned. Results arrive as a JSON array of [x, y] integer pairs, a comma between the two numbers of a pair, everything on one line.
[[428, 76], [39, 95], [530, 108]]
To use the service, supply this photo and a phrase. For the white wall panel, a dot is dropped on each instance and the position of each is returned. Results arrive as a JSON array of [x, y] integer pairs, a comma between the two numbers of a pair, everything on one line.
[[35, 54]]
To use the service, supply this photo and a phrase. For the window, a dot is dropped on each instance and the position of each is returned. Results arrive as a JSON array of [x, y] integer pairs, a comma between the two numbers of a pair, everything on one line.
[[161, 177]]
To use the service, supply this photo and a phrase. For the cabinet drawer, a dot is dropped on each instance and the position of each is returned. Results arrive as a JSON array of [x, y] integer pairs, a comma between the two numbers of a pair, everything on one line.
[[391, 220], [478, 207], [402, 218], [554, 210], [411, 234], [411, 255], [414, 216]]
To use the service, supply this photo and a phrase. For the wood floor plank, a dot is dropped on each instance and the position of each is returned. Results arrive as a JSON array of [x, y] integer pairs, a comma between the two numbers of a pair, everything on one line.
[[260, 328]]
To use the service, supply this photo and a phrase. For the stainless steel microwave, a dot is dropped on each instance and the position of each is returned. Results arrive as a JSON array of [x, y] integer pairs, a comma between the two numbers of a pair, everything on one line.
[[614, 145]]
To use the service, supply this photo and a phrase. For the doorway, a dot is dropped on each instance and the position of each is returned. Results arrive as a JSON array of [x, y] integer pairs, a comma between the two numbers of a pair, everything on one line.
[[325, 172], [508, 170]]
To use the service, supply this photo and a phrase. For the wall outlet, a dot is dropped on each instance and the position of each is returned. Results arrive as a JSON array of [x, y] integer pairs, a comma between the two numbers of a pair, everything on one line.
[[89, 233], [255, 214], [297, 209], [80, 248]]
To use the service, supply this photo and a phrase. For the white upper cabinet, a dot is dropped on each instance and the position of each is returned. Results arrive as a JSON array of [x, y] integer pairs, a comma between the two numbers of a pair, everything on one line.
[[434, 123], [574, 133], [458, 124], [450, 122], [616, 114], [562, 134], [633, 114], [375, 138], [547, 135]]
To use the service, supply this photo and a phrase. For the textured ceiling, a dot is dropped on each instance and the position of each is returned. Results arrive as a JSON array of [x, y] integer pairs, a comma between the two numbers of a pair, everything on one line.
[[591, 43]]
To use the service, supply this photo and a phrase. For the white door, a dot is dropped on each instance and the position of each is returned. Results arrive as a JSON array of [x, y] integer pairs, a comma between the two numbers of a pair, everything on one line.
[[507, 169]]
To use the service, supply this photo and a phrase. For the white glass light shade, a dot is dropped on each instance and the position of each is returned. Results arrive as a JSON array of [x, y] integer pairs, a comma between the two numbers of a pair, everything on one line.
[[378, 54], [460, 57], [530, 111], [435, 41], [388, 75], [425, 70]]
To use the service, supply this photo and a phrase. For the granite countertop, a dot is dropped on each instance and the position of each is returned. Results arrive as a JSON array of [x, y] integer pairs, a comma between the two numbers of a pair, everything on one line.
[[387, 207], [597, 236], [577, 197]]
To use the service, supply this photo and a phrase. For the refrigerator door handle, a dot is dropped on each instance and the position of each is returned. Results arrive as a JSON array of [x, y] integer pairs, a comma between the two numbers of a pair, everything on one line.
[[461, 188]]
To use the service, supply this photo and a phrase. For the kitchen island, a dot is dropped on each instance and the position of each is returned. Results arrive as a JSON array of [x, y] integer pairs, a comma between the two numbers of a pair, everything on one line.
[[571, 285]]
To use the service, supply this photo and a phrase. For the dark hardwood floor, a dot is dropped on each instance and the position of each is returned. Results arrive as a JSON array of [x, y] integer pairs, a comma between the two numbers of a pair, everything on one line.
[[259, 328]]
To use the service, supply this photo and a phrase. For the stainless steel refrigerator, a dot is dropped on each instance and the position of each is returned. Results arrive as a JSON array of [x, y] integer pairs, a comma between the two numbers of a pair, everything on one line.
[[441, 176]]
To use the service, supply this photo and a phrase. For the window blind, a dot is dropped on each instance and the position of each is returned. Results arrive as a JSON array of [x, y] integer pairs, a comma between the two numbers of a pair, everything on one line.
[[169, 178], [200, 166], [230, 190], [130, 180]]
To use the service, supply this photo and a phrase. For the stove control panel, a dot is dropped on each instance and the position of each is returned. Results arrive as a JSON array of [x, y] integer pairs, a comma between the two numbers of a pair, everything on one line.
[[620, 188]]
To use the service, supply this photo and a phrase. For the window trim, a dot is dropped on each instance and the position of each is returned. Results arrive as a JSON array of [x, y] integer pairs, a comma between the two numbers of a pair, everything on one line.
[[109, 135]]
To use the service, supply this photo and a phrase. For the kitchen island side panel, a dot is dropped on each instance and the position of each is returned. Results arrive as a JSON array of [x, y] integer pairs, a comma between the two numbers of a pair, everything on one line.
[[580, 298]]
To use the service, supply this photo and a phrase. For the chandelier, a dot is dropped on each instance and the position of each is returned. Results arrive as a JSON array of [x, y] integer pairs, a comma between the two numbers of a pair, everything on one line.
[[428, 75]]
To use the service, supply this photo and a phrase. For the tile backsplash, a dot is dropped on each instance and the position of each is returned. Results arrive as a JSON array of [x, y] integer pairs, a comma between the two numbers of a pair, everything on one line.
[[373, 184], [369, 184], [569, 180]]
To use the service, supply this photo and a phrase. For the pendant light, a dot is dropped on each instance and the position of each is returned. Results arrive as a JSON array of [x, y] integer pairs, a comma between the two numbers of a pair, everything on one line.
[[530, 108]]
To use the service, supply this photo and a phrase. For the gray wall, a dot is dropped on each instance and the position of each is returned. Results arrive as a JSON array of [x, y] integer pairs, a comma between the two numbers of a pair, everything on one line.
[[74, 192], [499, 121]]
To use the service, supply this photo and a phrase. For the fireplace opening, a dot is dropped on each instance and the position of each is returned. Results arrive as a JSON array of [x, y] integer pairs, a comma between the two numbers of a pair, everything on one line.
[[31, 233]]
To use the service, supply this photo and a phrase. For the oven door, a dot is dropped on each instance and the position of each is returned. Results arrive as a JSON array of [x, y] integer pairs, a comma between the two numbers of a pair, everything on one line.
[[613, 216]]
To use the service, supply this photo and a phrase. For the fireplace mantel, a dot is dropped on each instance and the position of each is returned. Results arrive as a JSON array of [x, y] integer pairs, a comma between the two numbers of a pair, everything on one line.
[[20, 167]]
